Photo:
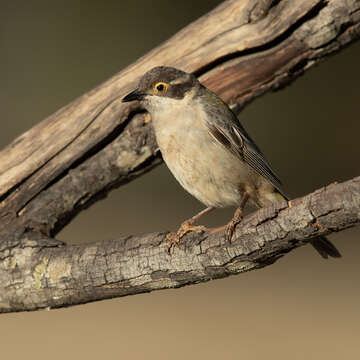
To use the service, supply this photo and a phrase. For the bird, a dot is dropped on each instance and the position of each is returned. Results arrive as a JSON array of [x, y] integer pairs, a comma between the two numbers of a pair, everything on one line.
[[208, 151]]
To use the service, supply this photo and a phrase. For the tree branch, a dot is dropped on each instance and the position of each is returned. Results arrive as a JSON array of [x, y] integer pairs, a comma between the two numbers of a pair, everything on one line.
[[52, 172], [40, 273], [240, 50]]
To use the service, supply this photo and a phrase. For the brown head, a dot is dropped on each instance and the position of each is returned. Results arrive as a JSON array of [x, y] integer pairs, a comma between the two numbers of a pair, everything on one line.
[[165, 82]]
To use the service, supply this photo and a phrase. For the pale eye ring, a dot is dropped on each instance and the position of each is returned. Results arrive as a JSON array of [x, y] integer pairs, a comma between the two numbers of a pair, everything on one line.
[[160, 87]]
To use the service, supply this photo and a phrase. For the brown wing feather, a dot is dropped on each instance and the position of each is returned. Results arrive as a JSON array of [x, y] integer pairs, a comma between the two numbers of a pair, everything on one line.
[[234, 137]]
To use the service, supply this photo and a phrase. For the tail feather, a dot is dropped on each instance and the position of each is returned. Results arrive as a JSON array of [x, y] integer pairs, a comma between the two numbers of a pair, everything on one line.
[[325, 248]]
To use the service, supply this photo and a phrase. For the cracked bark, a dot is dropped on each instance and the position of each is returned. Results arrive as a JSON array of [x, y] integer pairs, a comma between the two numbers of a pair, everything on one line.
[[76, 156]]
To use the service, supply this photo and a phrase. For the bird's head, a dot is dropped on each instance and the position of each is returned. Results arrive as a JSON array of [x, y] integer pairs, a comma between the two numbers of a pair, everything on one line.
[[161, 84]]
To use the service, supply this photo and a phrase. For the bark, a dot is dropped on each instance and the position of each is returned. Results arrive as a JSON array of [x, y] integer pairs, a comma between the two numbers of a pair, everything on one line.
[[241, 50], [38, 272]]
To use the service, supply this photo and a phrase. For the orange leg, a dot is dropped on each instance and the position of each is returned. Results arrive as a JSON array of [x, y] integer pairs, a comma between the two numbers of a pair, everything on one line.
[[238, 215], [185, 227]]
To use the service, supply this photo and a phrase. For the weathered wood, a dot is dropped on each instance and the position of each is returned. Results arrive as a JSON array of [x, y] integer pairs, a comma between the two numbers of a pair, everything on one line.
[[237, 57], [39, 273], [240, 50]]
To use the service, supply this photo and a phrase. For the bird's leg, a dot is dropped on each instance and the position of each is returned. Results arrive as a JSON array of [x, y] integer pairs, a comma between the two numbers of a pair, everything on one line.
[[185, 227], [238, 215]]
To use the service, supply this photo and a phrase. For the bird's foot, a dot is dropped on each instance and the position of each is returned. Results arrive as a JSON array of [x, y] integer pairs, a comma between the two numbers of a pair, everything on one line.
[[230, 227], [186, 227]]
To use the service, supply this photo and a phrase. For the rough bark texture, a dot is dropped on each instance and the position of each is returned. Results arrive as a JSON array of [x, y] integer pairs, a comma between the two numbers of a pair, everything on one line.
[[241, 50], [37, 272]]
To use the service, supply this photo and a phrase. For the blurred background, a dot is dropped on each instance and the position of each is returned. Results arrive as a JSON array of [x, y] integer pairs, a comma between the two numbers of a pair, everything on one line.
[[302, 307]]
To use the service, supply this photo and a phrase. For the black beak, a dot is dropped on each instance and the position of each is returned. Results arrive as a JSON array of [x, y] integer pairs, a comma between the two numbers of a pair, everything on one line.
[[134, 95]]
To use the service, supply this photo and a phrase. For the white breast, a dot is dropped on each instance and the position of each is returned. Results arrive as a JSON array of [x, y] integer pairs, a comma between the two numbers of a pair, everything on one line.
[[202, 166]]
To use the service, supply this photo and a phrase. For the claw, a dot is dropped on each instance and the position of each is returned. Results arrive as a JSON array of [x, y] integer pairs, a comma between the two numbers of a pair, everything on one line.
[[230, 227], [238, 216], [186, 227]]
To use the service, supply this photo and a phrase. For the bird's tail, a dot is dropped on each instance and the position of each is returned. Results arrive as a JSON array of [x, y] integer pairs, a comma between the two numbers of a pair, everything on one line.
[[321, 244], [324, 247]]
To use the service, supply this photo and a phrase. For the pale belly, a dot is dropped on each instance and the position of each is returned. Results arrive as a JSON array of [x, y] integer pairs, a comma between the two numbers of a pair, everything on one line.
[[205, 168]]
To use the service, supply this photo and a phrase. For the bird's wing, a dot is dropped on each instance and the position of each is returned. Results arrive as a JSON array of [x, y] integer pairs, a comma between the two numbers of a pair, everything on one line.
[[228, 131]]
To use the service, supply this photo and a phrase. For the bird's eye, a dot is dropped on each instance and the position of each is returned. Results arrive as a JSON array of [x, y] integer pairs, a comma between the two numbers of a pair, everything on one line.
[[160, 88]]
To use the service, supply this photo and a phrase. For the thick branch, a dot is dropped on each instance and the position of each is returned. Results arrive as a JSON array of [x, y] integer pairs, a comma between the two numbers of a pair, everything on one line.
[[40, 273], [240, 50]]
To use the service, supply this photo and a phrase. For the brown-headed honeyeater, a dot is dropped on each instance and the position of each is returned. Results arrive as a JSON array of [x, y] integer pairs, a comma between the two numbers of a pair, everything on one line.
[[208, 150]]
